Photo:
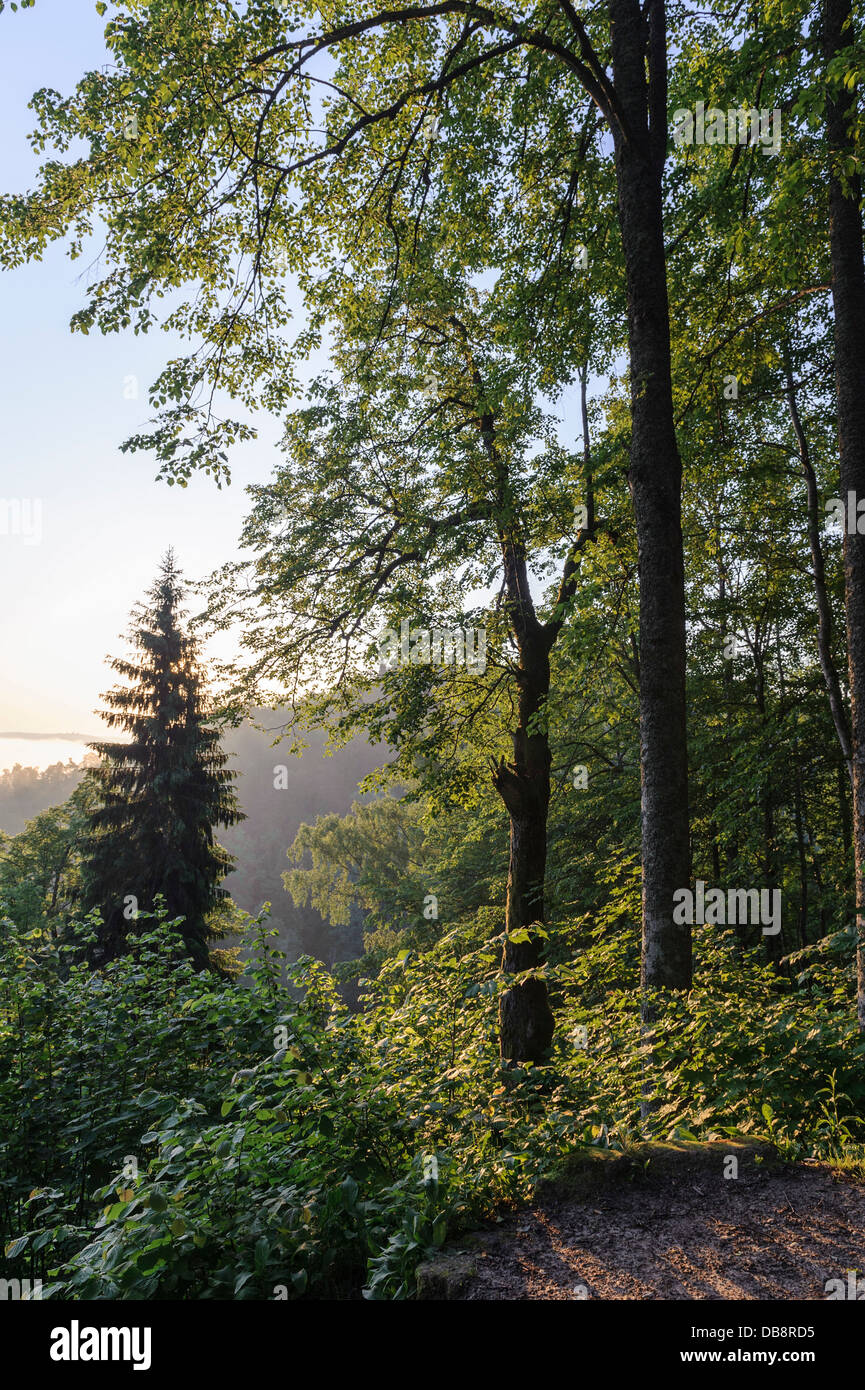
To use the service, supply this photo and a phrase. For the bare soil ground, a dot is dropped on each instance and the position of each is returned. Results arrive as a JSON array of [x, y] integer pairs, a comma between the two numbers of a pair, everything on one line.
[[682, 1232]]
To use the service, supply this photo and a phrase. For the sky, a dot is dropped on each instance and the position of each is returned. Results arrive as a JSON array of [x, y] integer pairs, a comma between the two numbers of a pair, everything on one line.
[[84, 526], [87, 526]]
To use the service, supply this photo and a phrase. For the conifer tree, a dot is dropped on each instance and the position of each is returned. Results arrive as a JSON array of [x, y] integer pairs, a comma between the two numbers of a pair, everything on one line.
[[160, 793]]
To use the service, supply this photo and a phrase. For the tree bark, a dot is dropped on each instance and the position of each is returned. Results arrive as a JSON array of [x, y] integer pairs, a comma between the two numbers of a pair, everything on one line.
[[774, 945], [824, 607], [655, 479], [525, 1018], [848, 297]]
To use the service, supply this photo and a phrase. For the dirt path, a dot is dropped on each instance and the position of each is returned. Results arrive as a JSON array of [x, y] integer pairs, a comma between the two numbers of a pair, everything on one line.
[[680, 1233]]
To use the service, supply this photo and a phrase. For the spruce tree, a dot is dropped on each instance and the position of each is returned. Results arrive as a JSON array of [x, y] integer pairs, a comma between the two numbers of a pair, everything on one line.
[[160, 794]]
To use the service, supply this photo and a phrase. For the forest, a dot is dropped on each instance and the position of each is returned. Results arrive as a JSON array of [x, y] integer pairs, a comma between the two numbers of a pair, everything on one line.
[[494, 814]]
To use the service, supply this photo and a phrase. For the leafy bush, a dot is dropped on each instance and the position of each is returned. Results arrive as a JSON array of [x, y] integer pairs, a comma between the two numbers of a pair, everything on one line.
[[285, 1146]]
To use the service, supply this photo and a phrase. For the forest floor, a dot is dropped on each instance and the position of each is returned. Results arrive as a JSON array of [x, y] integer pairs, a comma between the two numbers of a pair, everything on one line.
[[683, 1231]]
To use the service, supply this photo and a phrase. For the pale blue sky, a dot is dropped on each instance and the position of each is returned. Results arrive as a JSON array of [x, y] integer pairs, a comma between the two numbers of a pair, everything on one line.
[[105, 521]]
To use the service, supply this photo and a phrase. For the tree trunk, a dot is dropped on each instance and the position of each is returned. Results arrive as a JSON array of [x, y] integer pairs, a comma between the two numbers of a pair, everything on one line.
[[774, 945], [824, 607], [848, 297], [798, 795], [731, 846], [525, 1018], [655, 482]]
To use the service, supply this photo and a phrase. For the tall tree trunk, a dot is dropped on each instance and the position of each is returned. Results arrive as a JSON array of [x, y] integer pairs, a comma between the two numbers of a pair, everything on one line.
[[525, 1018], [848, 297], [655, 479], [824, 607], [774, 944], [731, 845], [798, 796]]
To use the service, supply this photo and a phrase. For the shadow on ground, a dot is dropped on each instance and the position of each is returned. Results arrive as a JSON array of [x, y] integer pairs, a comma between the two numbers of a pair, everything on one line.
[[664, 1222]]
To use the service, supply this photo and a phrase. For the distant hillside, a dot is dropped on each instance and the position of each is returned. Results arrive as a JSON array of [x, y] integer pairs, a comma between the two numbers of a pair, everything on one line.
[[316, 785], [25, 791]]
